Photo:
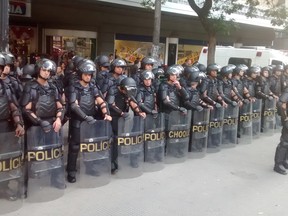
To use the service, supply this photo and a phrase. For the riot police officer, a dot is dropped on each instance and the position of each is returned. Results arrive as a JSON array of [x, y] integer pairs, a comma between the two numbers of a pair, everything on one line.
[[147, 63], [281, 163], [10, 121], [120, 100], [275, 80], [103, 66], [7, 77], [146, 98], [42, 107], [84, 101]]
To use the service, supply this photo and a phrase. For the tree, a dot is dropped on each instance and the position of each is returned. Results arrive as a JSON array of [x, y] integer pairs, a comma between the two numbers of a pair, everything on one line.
[[157, 24], [213, 16]]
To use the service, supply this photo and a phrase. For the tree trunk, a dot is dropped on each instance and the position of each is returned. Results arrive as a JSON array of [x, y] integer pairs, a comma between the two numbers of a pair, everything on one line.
[[211, 49], [4, 24], [156, 32]]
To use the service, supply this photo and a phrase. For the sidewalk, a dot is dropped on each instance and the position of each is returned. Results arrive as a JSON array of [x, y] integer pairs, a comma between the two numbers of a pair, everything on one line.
[[233, 182]]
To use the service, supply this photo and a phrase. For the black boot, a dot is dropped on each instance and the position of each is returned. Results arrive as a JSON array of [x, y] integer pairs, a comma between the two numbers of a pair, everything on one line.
[[71, 177], [279, 168]]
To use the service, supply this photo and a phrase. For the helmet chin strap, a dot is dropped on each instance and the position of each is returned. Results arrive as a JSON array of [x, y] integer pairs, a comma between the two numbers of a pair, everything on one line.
[[43, 77]]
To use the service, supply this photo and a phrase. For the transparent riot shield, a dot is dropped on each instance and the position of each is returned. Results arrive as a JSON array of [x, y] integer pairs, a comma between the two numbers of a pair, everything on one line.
[[215, 129], [95, 165], [199, 133], [278, 123], [268, 117], [177, 136], [46, 180], [256, 118], [130, 142], [230, 125], [11, 172], [245, 124], [154, 142]]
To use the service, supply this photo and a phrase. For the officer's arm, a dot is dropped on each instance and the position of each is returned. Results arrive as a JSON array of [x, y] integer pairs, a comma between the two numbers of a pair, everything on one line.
[[16, 115], [282, 106], [102, 105], [259, 92], [111, 101], [26, 104], [221, 93], [73, 102], [143, 107], [165, 98]]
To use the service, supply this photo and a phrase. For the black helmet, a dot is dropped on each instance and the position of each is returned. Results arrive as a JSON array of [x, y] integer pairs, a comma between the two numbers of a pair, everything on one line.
[[202, 67], [238, 68], [2, 60], [76, 59], [194, 76], [146, 75], [266, 68], [146, 61], [45, 64], [10, 59], [86, 67], [173, 70], [226, 70], [54, 67], [129, 86], [118, 63], [278, 68], [28, 72], [253, 69], [158, 72], [102, 61], [213, 67], [190, 69]]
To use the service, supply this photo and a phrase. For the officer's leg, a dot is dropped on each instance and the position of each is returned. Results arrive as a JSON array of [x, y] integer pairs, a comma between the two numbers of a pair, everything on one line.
[[114, 147], [73, 150], [281, 153]]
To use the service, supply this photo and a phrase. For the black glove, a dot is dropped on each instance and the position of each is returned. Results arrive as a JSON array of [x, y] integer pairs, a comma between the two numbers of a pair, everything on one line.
[[183, 110], [234, 103], [125, 115], [90, 120], [270, 98], [199, 108], [245, 101], [154, 113], [218, 105], [46, 126]]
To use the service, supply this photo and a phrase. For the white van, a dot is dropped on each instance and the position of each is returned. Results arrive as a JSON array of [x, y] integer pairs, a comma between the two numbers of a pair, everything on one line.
[[249, 56]]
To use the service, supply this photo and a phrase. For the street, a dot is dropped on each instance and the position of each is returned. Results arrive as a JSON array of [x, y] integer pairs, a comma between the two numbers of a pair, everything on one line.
[[236, 181]]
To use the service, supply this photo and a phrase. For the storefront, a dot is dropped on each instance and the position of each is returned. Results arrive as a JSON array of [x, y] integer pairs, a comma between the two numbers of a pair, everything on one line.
[[62, 44], [134, 47]]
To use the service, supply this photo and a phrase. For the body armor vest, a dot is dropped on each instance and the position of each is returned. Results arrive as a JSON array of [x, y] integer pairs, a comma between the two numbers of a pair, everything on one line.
[[45, 106], [4, 104], [275, 85], [86, 100], [147, 96], [212, 91]]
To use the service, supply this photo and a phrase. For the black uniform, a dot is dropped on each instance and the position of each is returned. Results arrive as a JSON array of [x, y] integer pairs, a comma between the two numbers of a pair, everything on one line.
[[10, 116], [85, 110], [281, 155], [44, 100]]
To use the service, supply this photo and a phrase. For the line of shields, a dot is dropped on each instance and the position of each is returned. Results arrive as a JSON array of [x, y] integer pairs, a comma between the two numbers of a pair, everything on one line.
[[156, 140], [11, 172]]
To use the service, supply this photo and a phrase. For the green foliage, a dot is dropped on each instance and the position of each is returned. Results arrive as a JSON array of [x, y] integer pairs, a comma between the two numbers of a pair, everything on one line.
[[150, 4]]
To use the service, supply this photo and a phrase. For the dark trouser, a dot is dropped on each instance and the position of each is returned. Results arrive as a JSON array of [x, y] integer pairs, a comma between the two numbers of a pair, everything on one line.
[[114, 145], [281, 153], [73, 150]]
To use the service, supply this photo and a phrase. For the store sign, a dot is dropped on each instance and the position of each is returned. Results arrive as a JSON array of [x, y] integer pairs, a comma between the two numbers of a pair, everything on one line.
[[20, 8]]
